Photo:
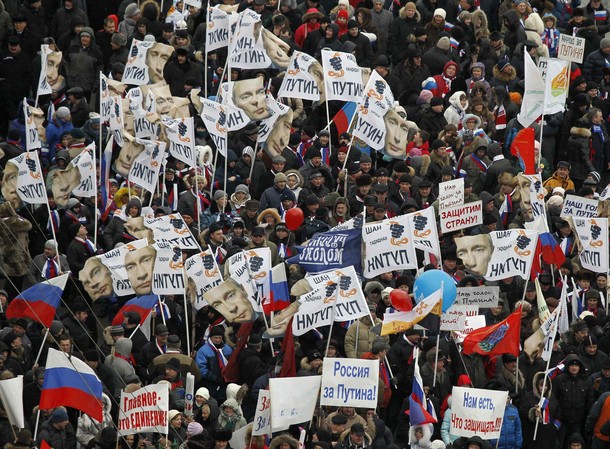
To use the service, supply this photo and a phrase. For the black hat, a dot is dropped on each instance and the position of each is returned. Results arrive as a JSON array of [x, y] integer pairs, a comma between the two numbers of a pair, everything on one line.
[[370, 200], [530, 44], [80, 306], [161, 329], [223, 435], [382, 172], [530, 287], [258, 231], [425, 184], [311, 199], [342, 419], [91, 355], [313, 355], [214, 227], [380, 206], [495, 36], [438, 143], [508, 358], [14, 40], [406, 178], [217, 331], [255, 340], [315, 175], [76, 91], [173, 363], [357, 429], [21, 322], [322, 213], [380, 188], [364, 180], [117, 330], [382, 61], [168, 27]]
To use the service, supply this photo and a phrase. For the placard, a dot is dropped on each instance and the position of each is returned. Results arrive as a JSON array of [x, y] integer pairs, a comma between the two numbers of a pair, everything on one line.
[[571, 48], [475, 411], [262, 417], [451, 193], [453, 318], [352, 382], [461, 216], [482, 296], [576, 206], [144, 410]]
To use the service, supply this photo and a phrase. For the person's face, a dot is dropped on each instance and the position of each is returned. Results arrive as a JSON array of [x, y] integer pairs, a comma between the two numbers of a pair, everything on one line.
[[127, 156], [156, 58], [450, 71], [217, 237], [177, 421], [521, 7], [53, 63], [19, 26], [231, 301], [574, 369], [292, 182], [85, 40], [9, 186], [341, 209], [63, 183], [249, 95], [337, 429], [280, 135], [397, 133], [597, 119], [357, 439], [139, 266], [65, 345], [353, 31], [475, 252], [221, 444], [379, 214]]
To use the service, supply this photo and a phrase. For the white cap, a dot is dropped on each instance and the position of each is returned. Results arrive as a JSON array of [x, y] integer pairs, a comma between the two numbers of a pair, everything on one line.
[[559, 190]]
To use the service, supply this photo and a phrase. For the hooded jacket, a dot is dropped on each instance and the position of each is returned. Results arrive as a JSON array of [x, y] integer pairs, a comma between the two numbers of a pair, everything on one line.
[[579, 151], [399, 36], [84, 64], [120, 365], [455, 112], [574, 393]]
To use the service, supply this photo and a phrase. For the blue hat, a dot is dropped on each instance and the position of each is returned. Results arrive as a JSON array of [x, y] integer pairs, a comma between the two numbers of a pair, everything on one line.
[[59, 415]]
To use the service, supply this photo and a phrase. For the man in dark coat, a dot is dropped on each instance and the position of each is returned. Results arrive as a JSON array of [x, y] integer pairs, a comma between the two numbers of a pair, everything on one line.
[[181, 69]]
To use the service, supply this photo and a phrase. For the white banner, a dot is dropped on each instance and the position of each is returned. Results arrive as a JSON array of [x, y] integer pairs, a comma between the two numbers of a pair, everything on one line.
[[461, 216], [84, 162], [189, 395], [303, 78], [557, 83], [316, 307], [116, 123], [370, 127], [143, 124], [203, 275], [451, 193], [388, 247], [173, 230], [144, 410], [181, 136], [262, 417], [293, 400], [32, 139], [246, 49], [425, 233], [475, 411], [579, 207], [136, 69], [593, 236], [11, 394], [454, 318], [214, 116], [537, 194], [217, 30], [239, 271], [105, 100], [168, 273], [29, 181], [145, 168], [49, 69], [114, 260], [342, 76], [513, 252], [571, 48], [350, 382], [267, 125], [533, 96], [481, 296], [259, 266]]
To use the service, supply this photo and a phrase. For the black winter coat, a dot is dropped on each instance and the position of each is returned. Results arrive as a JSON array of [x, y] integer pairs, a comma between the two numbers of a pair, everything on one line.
[[579, 152], [575, 396]]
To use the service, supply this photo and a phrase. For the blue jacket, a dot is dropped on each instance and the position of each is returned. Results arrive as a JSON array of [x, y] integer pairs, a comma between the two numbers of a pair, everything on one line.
[[510, 435], [55, 129], [208, 364], [564, 12]]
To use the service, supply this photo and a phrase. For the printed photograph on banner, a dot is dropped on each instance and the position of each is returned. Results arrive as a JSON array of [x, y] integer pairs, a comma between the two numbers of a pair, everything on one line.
[[139, 265], [203, 274], [277, 50], [136, 70], [396, 133], [304, 78], [231, 301], [50, 79], [78, 178], [475, 252], [274, 132], [164, 102], [128, 154], [135, 226], [168, 272], [250, 96], [96, 279], [279, 321]]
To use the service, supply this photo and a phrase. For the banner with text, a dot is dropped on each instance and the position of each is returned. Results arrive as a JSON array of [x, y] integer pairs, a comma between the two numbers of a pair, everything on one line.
[[293, 400], [475, 411], [144, 410], [461, 216], [350, 382]]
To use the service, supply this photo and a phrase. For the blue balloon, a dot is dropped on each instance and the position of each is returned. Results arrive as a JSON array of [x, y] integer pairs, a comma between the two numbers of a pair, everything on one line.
[[430, 281]]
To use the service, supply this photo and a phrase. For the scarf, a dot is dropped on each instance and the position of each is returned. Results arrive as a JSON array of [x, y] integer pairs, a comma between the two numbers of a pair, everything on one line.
[[50, 269], [88, 244], [222, 360], [201, 203], [479, 163], [53, 223]]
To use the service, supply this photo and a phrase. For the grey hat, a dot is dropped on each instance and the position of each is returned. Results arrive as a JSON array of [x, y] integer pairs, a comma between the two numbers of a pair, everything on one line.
[[50, 244], [118, 39], [219, 194], [87, 30], [132, 10], [117, 330], [242, 188]]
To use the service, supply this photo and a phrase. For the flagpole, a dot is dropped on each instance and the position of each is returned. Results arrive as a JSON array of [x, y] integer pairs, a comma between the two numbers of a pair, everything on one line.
[[330, 145], [332, 322], [349, 148], [95, 204], [252, 161], [438, 342], [161, 310], [224, 185], [41, 346], [205, 67], [186, 322]]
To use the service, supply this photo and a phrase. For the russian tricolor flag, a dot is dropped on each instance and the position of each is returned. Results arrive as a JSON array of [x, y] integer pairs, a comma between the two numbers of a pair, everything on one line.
[[600, 15], [105, 176], [448, 26], [344, 117], [38, 302], [142, 304], [70, 382], [418, 414], [280, 295]]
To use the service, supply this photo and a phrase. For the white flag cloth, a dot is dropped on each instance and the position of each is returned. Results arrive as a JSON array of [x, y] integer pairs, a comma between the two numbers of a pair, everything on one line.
[[533, 97], [32, 139], [85, 163], [145, 169], [593, 236], [217, 31], [136, 69], [30, 186], [556, 85], [298, 81], [11, 393], [342, 76]]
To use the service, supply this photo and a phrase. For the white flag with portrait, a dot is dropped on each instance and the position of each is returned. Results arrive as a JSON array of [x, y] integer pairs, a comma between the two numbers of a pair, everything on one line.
[[203, 275], [259, 265], [217, 119], [32, 139], [217, 31], [247, 50], [299, 80], [181, 136], [239, 271], [85, 163], [114, 260], [173, 230], [115, 119], [168, 273], [44, 88]]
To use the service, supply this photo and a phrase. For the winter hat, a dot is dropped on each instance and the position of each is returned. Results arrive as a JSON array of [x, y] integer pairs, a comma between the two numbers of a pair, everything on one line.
[[204, 392], [62, 113], [174, 364], [440, 12], [248, 151], [59, 415], [502, 63], [172, 414], [436, 101], [605, 43], [194, 428], [437, 444], [424, 97], [132, 10], [219, 194], [410, 6], [280, 177], [444, 43], [595, 176]]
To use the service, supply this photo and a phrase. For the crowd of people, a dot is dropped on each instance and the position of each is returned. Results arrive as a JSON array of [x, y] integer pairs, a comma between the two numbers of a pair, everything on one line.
[[457, 73]]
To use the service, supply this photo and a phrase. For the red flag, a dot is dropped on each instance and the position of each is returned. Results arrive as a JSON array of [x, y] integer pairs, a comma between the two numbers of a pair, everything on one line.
[[289, 368], [44, 445], [523, 148], [230, 372], [501, 338]]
